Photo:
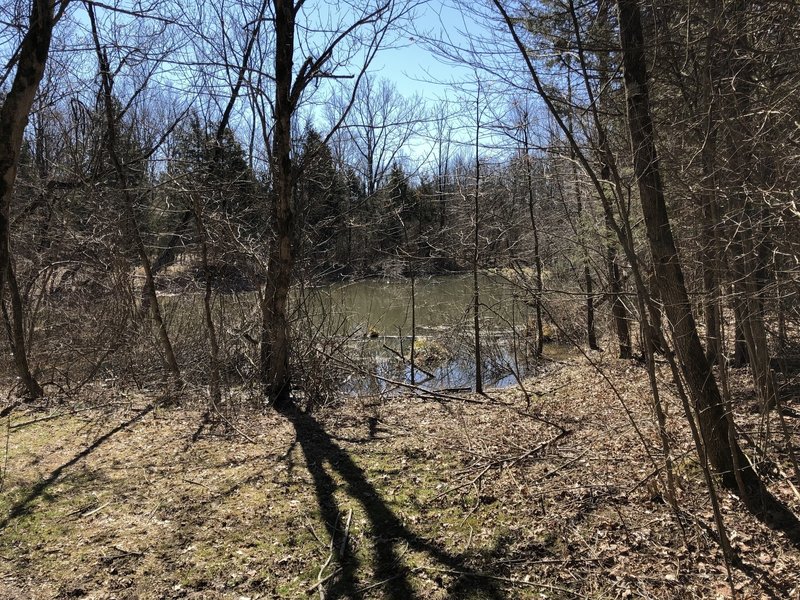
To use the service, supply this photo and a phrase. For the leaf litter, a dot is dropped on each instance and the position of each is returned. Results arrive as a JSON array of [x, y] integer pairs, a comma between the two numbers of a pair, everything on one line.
[[434, 498]]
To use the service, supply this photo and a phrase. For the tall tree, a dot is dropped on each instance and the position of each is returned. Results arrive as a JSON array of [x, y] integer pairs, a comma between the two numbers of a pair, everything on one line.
[[719, 442], [31, 60], [378, 128], [132, 226], [290, 86]]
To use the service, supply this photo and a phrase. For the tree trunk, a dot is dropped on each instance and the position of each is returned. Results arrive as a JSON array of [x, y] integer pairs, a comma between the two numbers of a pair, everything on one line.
[[741, 357], [132, 225], [275, 336], [711, 284], [13, 119], [722, 449], [18, 337], [476, 299], [619, 312], [591, 333], [537, 258], [712, 259], [748, 262]]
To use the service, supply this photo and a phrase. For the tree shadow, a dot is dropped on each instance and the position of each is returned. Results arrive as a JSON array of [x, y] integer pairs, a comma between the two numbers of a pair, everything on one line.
[[774, 513], [387, 530], [23, 506]]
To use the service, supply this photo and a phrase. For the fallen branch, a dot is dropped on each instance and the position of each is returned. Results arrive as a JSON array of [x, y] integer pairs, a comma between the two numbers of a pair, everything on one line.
[[417, 389], [96, 510], [502, 463], [343, 545], [15, 426], [321, 581]]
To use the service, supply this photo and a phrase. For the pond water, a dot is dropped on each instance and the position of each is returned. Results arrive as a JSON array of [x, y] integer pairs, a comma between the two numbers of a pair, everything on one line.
[[375, 319]]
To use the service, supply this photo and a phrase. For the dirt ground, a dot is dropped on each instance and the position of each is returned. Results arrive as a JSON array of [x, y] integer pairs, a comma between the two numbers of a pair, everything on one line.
[[406, 497]]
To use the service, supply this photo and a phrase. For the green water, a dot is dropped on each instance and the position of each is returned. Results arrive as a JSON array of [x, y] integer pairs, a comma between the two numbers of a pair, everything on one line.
[[375, 317], [366, 325], [384, 308]]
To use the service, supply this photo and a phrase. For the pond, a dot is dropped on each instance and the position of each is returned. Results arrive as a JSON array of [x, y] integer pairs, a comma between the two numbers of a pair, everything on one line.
[[375, 318]]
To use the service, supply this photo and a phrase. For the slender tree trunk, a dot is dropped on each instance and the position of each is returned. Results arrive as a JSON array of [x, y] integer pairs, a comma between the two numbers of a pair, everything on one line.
[[275, 335], [591, 332], [130, 214], [747, 261], [741, 357], [537, 257], [476, 298], [721, 448], [413, 327], [13, 119], [170, 251], [711, 285], [441, 182], [711, 218], [620, 314], [18, 336], [214, 379]]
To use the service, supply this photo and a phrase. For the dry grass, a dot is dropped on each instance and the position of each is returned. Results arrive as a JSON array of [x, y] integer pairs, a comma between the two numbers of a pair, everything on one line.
[[480, 498]]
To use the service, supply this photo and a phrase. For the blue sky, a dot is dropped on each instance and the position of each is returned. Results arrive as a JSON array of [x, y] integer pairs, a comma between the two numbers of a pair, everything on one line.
[[414, 67]]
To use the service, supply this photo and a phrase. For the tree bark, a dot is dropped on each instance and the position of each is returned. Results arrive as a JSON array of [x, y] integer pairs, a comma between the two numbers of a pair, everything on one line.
[[275, 336], [19, 346], [13, 119], [722, 449], [537, 257], [476, 298], [620, 314]]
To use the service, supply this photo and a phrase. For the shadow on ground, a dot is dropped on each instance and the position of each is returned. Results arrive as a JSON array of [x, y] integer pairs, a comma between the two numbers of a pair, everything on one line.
[[23, 506], [324, 458]]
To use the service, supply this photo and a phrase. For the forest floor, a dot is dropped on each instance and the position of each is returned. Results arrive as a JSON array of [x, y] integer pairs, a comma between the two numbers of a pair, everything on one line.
[[405, 497]]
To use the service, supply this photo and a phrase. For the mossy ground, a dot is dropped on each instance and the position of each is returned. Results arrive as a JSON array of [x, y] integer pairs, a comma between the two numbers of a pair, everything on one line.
[[483, 497]]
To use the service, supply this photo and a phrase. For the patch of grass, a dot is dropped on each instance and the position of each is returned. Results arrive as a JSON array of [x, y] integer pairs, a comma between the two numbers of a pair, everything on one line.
[[222, 517]]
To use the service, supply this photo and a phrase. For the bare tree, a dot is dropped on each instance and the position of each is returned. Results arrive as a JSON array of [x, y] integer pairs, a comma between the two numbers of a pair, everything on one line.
[[132, 223], [30, 61], [379, 126], [719, 444], [362, 37]]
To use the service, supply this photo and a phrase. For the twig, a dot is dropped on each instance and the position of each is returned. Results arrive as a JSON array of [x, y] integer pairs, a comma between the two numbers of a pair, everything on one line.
[[401, 384], [343, 545], [96, 510], [533, 451], [203, 485], [4, 471], [153, 512], [321, 580], [314, 533], [232, 426], [62, 414], [504, 462], [372, 586], [566, 464], [465, 484]]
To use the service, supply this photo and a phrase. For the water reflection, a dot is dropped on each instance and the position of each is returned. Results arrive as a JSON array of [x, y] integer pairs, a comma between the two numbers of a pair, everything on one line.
[[376, 318]]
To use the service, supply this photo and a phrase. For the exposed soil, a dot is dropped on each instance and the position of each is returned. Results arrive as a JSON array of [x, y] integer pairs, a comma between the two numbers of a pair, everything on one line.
[[478, 497]]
